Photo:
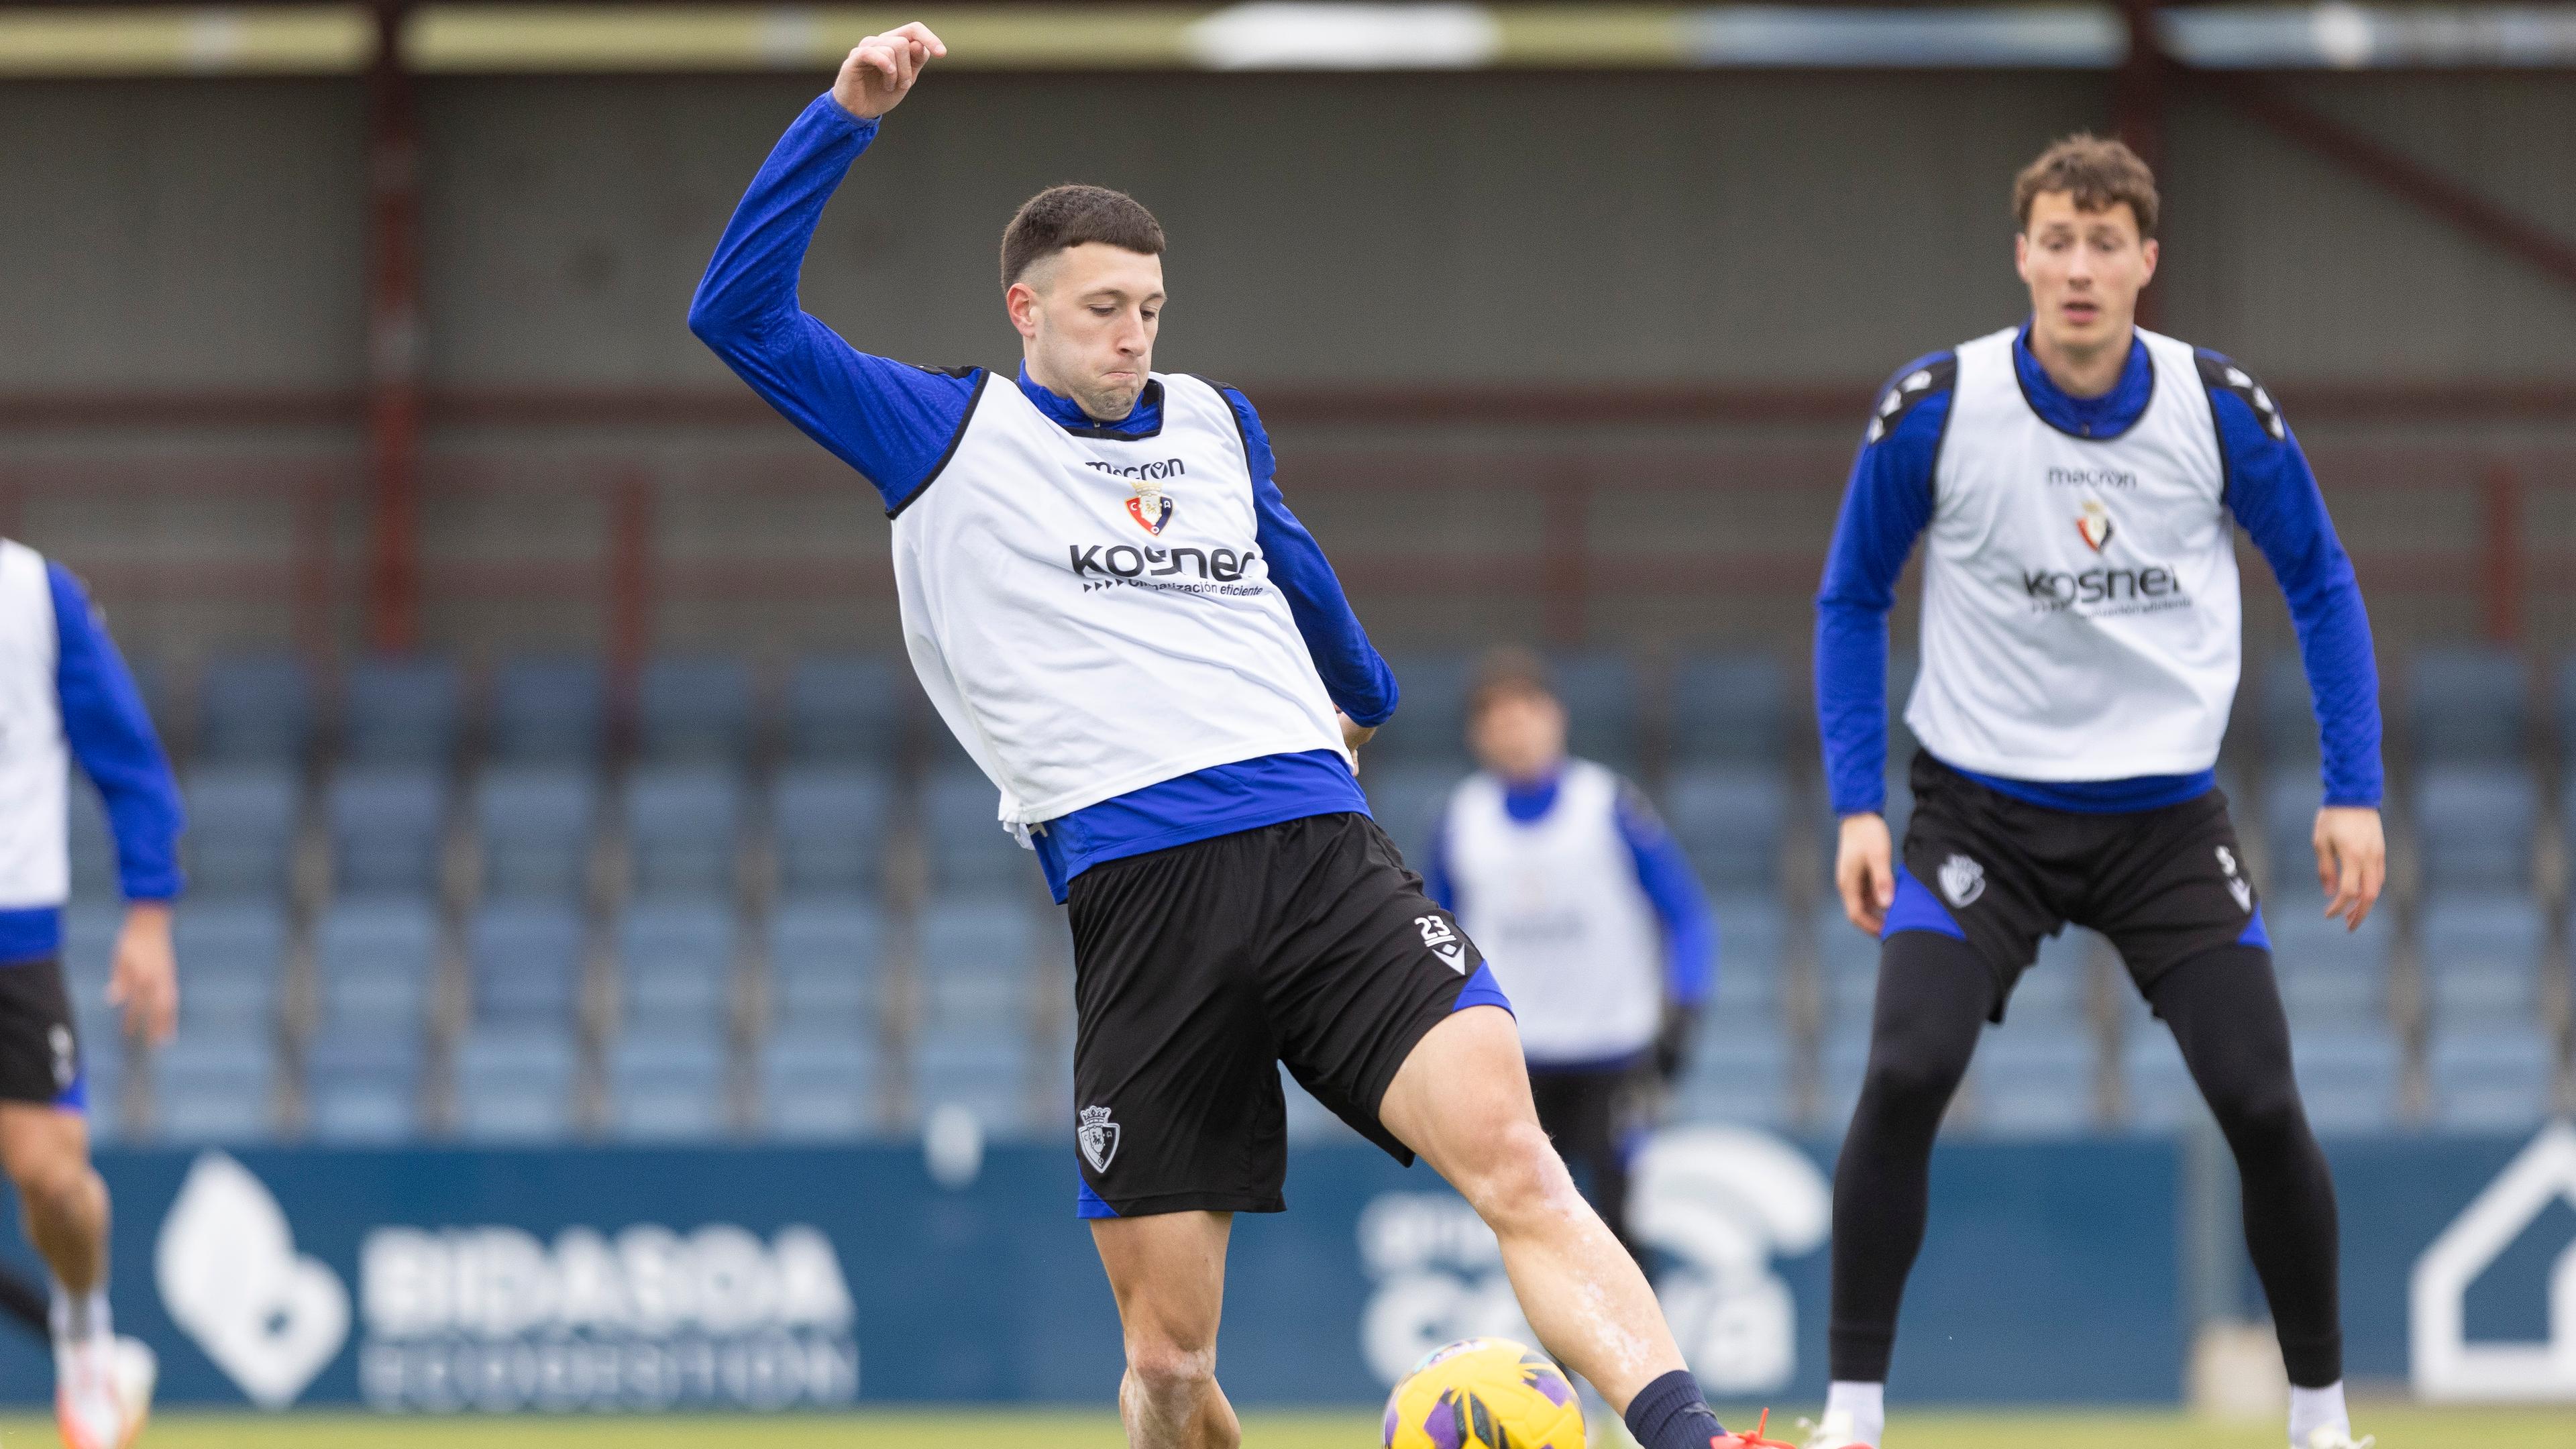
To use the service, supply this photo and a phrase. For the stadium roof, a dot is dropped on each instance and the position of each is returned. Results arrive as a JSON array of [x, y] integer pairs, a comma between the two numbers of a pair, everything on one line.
[[322, 39]]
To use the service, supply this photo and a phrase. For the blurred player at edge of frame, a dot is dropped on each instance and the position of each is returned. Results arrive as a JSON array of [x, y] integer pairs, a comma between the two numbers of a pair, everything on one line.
[[1113, 609], [1597, 927], [2079, 481], [66, 695]]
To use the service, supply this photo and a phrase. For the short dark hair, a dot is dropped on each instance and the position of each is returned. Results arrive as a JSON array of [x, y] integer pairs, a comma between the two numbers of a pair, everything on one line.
[[1061, 217], [1508, 671], [2098, 173]]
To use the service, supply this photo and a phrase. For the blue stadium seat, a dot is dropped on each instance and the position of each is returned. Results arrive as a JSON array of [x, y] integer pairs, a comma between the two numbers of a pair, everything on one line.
[[684, 831], [402, 711], [978, 965], [363, 1086], [93, 845], [824, 964], [1752, 964], [2475, 827], [1848, 962], [2156, 1089], [695, 709], [241, 831], [89, 940], [2329, 976], [377, 962], [986, 1074], [1603, 706], [549, 710], [387, 830], [2481, 960], [2348, 1078], [2291, 794], [665, 1086], [676, 963], [103, 1079], [830, 825], [819, 1085], [2033, 1081], [969, 850], [214, 1087], [1430, 723], [1731, 820], [1736, 1076], [1730, 709], [535, 827], [2287, 722], [255, 710], [527, 965], [231, 961], [2055, 996], [2468, 706], [2564, 689], [1407, 799], [2496, 1078], [847, 709], [1841, 1062], [515, 1085]]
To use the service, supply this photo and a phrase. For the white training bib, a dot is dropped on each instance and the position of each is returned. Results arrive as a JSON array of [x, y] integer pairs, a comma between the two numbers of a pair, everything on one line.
[[1091, 614], [2080, 611], [1555, 905], [35, 761]]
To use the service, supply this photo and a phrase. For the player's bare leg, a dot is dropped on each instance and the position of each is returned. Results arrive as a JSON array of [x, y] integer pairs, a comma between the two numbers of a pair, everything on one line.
[[45, 1151], [1462, 1101], [1167, 1272]]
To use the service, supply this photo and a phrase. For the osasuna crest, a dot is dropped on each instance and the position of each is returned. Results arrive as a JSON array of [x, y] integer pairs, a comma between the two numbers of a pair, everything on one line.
[[1097, 1134], [1151, 508], [1962, 880], [2093, 525]]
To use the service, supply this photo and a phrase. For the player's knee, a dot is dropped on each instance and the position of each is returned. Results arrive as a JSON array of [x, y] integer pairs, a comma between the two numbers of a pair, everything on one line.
[[50, 1181], [1166, 1371], [2263, 1111], [1518, 1175], [1911, 1080]]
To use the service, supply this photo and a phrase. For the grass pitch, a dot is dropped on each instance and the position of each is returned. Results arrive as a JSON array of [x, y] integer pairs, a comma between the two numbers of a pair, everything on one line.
[[2398, 1427]]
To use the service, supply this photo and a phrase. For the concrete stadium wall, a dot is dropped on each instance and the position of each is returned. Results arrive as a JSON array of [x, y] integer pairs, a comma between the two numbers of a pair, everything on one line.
[[1523, 229]]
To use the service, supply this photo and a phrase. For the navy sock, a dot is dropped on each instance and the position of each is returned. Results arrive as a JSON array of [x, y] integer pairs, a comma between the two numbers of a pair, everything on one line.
[[1670, 1414]]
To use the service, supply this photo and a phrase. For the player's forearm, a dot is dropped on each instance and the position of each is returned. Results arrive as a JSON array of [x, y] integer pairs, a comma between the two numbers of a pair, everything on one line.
[[750, 285], [1851, 703], [1354, 673]]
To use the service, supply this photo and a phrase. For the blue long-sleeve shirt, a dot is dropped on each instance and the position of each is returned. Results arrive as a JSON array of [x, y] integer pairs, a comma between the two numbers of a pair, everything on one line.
[[110, 735], [2269, 489], [893, 422], [1664, 873]]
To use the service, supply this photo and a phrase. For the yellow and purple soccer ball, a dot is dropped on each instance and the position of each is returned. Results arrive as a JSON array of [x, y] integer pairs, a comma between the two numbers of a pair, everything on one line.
[[1484, 1393]]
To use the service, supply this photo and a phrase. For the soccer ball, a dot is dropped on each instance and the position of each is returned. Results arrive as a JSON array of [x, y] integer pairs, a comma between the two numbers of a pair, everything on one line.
[[1484, 1393]]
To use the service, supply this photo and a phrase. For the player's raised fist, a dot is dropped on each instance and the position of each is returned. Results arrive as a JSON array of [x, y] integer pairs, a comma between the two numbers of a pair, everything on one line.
[[880, 70]]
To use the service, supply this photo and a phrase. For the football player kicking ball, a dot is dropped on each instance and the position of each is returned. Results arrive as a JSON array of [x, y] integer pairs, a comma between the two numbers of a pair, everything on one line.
[[1109, 603], [2079, 481]]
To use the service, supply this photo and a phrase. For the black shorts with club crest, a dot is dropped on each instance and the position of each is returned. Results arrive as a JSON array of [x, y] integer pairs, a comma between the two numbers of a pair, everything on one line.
[[2164, 885], [1200, 968], [40, 1057]]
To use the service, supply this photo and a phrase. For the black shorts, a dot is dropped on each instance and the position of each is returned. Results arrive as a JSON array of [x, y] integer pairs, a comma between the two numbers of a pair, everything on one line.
[[2164, 885], [40, 1058], [1199, 968]]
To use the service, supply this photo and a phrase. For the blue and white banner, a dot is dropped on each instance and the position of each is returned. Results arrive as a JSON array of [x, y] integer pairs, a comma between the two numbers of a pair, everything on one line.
[[616, 1279]]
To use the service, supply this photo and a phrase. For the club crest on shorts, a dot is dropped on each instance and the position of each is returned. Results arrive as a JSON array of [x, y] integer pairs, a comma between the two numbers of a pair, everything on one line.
[[1098, 1138], [1151, 508], [2093, 525], [1962, 880]]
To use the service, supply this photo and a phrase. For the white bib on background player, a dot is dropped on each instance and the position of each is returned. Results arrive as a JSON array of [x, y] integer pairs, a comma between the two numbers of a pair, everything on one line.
[[2080, 609], [1555, 906], [1091, 614], [35, 761]]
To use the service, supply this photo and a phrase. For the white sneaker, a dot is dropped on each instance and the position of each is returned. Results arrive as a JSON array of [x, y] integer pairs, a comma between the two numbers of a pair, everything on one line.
[[2333, 1438], [137, 1371], [1834, 1431], [87, 1406]]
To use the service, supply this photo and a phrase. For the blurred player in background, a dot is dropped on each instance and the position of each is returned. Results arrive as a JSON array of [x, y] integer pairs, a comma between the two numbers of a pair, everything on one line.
[[1113, 609], [1595, 924], [66, 695], [2079, 480]]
